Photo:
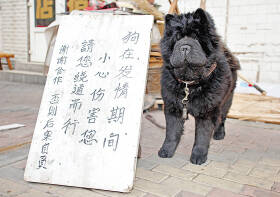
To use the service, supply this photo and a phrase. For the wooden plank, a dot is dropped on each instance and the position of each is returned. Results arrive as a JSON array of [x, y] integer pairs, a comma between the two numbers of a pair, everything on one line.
[[155, 48], [255, 108], [155, 60], [157, 54], [88, 127], [11, 126]]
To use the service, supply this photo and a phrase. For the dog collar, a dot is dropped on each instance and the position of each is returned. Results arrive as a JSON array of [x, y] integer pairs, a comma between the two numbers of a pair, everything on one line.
[[212, 68], [188, 83]]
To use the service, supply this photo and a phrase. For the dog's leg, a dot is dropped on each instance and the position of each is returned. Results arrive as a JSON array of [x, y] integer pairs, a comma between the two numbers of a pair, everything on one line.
[[219, 133], [203, 132], [174, 130]]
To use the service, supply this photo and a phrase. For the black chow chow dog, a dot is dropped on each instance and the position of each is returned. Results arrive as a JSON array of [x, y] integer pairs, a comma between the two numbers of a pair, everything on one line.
[[199, 75]]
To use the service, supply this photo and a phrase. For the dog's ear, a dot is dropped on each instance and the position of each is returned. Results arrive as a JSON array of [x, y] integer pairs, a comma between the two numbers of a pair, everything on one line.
[[200, 16], [169, 18]]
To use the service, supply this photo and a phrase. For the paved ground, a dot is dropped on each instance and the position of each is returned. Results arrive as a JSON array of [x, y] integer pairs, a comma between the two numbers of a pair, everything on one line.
[[245, 163]]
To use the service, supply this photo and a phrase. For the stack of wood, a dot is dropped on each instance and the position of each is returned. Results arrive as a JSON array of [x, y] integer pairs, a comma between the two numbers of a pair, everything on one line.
[[155, 56], [255, 108], [155, 64]]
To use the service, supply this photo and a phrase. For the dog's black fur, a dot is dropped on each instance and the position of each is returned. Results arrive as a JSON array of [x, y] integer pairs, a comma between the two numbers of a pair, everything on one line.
[[190, 46]]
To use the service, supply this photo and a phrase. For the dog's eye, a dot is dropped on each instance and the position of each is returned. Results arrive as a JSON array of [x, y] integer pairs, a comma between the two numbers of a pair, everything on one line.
[[178, 36]]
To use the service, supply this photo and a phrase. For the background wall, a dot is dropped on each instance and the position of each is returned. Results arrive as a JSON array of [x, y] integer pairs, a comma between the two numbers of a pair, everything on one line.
[[251, 32], [13, 30], [1, 40]]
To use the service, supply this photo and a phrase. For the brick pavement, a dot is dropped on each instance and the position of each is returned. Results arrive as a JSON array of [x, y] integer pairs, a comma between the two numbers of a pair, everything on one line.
[[245, 163]]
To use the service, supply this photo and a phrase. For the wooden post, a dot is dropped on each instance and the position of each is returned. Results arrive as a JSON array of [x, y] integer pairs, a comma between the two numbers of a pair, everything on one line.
[[1, 68]]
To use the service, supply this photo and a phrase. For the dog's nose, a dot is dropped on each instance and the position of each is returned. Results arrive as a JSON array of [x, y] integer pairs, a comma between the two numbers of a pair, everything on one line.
[[185, 49]]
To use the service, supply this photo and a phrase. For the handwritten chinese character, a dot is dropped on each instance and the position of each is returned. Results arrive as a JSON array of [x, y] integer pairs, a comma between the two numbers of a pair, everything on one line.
[[102, 74], [63, 49], [81, 77], [49, 124], [124, 72], [45, 148], [93, 115], [127, 54], [57, 80], [69, 124], [84, 61], [87, 46], [121, 90], [78, 89], [54, 99], [132, 37], [88, 137], [61, 60], [97, 95], [59, 70], [42, 162], [104, 58], [47, 135], [52, 110], [117, 115], [75, 105], [112, 141]]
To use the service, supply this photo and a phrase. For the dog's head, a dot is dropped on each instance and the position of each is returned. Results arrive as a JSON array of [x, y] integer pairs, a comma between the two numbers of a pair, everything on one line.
[[189, 39]]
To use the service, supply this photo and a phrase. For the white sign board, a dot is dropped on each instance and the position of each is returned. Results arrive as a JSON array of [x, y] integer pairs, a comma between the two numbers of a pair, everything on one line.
[[88, 127]]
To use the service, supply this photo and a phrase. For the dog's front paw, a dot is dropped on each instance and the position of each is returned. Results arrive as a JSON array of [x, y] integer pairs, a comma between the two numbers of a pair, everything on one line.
[[198, 156], [219, 135], [165, 153], [168, 149]]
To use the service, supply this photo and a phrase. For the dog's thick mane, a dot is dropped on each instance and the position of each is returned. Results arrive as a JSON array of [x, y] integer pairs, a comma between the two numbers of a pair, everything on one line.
[[198, 25]]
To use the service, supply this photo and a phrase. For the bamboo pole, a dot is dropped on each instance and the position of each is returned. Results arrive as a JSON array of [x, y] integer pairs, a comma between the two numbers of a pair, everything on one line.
[[173, 6], [203, 4], [263, 92], [176, 8]]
